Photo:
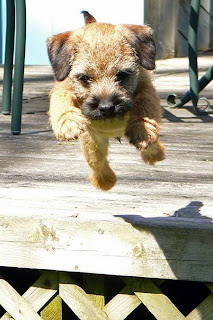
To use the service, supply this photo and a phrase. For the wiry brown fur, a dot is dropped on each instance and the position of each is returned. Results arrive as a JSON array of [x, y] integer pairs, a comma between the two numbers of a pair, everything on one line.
[[87, 63]]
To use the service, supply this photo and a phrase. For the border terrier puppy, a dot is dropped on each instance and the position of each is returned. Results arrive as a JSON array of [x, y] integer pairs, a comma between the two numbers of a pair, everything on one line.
[[102, 90]]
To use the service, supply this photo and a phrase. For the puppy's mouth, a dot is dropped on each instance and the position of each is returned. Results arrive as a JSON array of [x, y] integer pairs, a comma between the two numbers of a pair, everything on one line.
[[95, 109]]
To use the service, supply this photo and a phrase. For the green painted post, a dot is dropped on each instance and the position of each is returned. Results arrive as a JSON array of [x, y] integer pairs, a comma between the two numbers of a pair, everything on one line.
[[192, 48], [8, 63], [20, 7]]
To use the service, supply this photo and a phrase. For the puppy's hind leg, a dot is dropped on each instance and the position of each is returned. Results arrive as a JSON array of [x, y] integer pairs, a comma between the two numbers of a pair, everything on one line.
[[95, 151]]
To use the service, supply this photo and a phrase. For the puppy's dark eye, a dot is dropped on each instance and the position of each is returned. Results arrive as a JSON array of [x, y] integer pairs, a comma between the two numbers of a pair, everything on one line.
[[85, 79], [123, 75]]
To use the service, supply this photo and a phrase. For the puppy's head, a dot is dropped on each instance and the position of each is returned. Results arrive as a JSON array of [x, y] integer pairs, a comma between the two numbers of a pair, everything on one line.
[[103, 65]]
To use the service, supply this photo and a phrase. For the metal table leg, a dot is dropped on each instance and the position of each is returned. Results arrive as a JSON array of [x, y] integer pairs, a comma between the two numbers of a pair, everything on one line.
[[20, 11], [8, 63]]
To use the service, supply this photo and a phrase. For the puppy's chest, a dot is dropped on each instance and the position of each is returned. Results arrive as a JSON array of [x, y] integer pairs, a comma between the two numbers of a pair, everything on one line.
[[114, 127]]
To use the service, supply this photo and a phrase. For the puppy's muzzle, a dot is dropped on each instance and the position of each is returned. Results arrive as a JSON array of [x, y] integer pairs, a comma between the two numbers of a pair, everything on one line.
[[95, 108]]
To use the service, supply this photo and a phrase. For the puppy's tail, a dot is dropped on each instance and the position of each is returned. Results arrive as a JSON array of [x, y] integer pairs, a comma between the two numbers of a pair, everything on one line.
[[88, 18]]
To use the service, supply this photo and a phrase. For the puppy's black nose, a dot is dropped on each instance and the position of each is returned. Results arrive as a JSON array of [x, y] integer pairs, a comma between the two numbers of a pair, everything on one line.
[[107, 108]]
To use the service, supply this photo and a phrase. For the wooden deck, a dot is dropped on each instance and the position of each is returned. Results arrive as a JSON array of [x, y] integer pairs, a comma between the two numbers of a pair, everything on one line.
[[155, 223]]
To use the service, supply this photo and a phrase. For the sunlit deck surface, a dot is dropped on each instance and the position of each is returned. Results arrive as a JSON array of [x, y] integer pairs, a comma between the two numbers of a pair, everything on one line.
[[44, 184]]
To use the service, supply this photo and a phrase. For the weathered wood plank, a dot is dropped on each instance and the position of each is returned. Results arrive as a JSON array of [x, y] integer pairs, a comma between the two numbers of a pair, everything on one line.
[[80, 303], [210, 286], [53, 311], [204, 310], [155, 301], [94, 286], [155, 248], [164, 28], [16, 305], [40, 292], [122, 304]]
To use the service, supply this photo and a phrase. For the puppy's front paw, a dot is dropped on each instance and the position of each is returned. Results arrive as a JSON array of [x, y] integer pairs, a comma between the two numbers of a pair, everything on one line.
[[68, 130], [153, 152], [151, 133], [142, 133]]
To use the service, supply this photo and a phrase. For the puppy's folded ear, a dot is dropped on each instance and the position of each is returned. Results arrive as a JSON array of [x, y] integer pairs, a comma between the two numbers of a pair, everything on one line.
[[141, 39], [60, 53]]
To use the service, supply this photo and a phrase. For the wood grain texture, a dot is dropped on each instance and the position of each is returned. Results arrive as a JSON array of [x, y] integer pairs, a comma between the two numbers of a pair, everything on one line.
[[93, 284], [155, 301], [53, 310], [156, 248], [80, 303], [40, 292], [122, 304], [203, 311], [16, 305]]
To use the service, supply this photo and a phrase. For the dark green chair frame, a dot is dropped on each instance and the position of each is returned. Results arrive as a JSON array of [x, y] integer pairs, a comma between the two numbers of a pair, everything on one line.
[[195, 85], [15, 33]]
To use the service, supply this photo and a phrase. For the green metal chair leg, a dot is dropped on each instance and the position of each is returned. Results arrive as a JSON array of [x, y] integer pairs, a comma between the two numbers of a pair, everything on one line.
[[8, 64], [195, 85], [174, 102], [20, 7], [192, 47]]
